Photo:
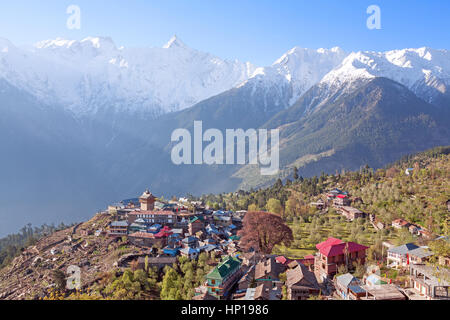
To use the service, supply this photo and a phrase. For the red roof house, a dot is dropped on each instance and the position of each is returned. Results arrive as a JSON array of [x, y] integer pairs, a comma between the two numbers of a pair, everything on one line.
[[400, 223], [330, 241], [334, 252]]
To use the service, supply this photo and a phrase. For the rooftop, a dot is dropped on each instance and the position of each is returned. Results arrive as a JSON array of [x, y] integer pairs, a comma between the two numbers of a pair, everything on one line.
[[223, 269], [421, 252], [436, 276], [146, 195], [346, 279], [333, 247], [385, 292], [351, 209], [299, 273], [403, 249], [119, 224]]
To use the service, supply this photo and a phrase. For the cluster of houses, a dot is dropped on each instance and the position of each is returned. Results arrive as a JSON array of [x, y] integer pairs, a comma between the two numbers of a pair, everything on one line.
[[423, 281], [253, 276], [174, 229], [341, 201], [412, 228]]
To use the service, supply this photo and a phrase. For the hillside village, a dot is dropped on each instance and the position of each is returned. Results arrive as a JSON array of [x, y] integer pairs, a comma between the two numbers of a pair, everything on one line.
[[188, 248]]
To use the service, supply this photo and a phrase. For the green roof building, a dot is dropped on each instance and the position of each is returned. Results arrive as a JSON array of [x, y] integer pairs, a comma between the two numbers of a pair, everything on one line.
[[222, 278]]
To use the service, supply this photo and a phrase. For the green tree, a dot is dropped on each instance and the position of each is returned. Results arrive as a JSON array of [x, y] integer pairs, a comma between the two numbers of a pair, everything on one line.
[[274, 205]]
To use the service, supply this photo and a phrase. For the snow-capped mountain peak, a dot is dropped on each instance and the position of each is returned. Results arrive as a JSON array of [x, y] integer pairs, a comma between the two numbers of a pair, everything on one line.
[[174, 42], [422, 70], [303, 67]]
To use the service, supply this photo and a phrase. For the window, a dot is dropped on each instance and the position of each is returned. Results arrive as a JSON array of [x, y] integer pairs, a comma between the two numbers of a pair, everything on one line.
[[213, 281]]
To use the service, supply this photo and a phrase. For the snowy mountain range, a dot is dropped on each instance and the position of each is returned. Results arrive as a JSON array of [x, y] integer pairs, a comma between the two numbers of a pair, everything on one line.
[[84, 123], [93, 73], [88, 75]]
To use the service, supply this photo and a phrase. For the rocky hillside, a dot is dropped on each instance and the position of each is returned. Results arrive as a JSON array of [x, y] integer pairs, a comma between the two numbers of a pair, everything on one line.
[[31, 274]]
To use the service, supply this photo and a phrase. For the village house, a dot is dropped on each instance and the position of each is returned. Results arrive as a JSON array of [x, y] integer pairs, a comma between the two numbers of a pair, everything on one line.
[[195, 225], [137, 227], [222, 220], [377, 224], [429, 282], [154, 228], [190, 253], [207, 248], [164, 232], [143, 239], [118, 229], [348, 287], [207, 241], [123, 206], [156, 262], [223, 277], [171, 251], [268, 270], [319, 204], [351, 213], [425, 234], [249, 258], [341, 200], [406, 254], [331, 195], [246, 280], [301, 283], [333, 253], [240, 214], [383, 292], [400, 224], [264, 291], [189, 242], [420, 255]]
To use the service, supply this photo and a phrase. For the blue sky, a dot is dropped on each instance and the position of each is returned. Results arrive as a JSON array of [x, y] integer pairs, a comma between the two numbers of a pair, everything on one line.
[[259, 31]]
